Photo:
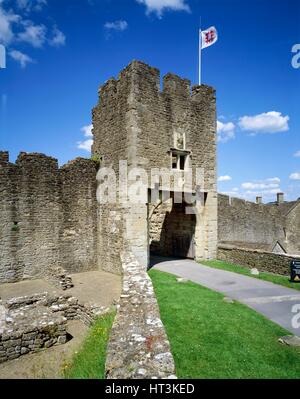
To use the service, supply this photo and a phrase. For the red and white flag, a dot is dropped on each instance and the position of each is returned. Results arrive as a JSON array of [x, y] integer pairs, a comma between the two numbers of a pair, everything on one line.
[[208, 37]]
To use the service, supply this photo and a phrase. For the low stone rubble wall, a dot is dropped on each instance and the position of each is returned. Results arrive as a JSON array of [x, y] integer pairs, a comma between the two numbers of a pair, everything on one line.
[[39, 321], [57, 276], [28, 326], [138, 347], [262, 260]]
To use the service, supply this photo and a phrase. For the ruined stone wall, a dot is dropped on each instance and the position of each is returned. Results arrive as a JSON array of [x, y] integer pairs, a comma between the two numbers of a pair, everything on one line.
[[293, 230], [28, 326], [47, 216], [138, 347], [78, 229], [240, 220], [262, 260], [34, 322]]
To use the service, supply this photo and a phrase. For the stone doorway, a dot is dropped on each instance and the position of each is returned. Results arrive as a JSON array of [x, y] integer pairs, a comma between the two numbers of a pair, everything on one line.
[[172, 230]]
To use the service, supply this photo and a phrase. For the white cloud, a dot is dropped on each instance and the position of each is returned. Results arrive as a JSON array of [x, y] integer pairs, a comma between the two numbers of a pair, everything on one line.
[[295, 176], [87, 130], [31, 5], [226, 131], [274, 180], [86, 144], [159, 6], [6, 21], [297, 154], [224, 178], [233, 193], [259, 186], [34, 35], [267, 122], [266, 188], [20, 57], [58, 39], [19, 28], [116, 25], [268, 193]]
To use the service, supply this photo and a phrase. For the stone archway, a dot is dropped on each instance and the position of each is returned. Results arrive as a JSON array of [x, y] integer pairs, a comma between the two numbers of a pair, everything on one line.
[[172, 230]]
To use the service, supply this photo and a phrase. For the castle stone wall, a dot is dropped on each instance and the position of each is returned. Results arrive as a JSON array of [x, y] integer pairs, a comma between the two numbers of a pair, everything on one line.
[[245, 221], [78, 228], [293, 230], [241, 221], [262, 260], [47, 216]]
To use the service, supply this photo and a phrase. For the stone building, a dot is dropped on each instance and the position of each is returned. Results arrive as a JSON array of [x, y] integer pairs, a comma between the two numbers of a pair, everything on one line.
[[272, 227], [171, 129]]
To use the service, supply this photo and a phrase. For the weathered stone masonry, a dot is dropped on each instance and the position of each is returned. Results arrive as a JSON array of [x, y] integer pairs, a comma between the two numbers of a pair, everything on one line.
[[255, 258], [273, 227], [35, 322], [48, 216], [138, 345], [137, 122]]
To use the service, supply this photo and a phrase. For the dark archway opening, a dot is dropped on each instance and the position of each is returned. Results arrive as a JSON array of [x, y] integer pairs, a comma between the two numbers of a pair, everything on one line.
[[172, 231]]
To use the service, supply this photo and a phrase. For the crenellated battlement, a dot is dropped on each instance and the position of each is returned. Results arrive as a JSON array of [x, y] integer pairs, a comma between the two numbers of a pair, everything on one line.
[[80, 164], [203, 92], [139, 78], [174, 85], [38, 161], [4, 156]]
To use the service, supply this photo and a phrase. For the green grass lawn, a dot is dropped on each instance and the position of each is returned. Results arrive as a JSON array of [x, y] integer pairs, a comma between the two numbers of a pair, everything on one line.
[[89, 362], [214, 339], [273, 278]]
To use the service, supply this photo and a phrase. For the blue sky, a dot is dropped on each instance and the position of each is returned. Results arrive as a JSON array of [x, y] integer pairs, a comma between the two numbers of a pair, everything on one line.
[[60, 51]]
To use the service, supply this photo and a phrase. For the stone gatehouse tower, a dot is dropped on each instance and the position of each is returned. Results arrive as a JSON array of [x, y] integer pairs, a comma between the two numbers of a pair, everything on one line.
[[172, 129]]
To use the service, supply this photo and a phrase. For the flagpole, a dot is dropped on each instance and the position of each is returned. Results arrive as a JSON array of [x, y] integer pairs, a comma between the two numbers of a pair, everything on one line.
[[200, 53]]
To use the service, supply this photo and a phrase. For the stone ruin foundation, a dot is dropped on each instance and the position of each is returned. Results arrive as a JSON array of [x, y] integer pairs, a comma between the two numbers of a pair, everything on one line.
[[39, 321]]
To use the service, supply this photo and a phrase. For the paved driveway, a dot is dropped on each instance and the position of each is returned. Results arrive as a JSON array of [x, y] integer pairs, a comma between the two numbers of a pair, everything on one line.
[[273, 301]]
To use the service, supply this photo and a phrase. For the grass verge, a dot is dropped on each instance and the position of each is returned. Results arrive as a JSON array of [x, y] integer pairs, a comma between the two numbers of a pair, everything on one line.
[[273, 278], [213, 339], [89, 361]]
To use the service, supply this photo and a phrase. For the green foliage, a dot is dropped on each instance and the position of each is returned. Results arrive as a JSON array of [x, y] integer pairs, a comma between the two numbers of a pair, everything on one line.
[[96, 158], [89, 362], [211, 338], [273, 278]]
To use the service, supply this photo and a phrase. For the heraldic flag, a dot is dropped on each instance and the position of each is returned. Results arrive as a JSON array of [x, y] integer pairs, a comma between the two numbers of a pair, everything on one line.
[[208, 37]]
